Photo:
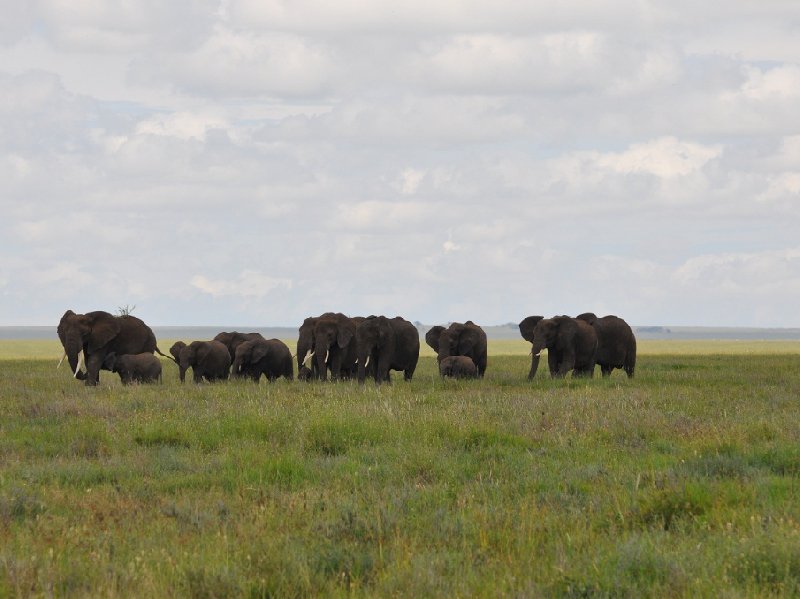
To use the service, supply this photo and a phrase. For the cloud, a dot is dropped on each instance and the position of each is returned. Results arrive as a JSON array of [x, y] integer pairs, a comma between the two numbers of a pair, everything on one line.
[[249, 285], [439, 160], [243, 63], [666, 158]]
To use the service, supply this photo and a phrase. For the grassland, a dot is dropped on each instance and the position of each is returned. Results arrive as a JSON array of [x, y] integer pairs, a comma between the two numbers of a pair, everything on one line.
[[681, 482]]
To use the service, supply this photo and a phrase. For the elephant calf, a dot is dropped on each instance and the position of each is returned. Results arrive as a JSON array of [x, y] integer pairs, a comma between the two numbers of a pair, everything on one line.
[[134, 368], [458, 367], [270, 357], [208, 360]]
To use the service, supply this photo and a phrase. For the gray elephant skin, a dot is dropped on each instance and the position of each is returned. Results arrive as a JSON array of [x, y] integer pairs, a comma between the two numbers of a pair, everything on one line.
[[234, 339], [467, 339], [98, 334], [270, 357], [573, 343], [616, 343], [458, 367], [134, 368], [208, 360], [386, 344]]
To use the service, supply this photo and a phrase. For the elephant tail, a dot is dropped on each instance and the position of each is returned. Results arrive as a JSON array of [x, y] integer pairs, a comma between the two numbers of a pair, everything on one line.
[[160, 353]]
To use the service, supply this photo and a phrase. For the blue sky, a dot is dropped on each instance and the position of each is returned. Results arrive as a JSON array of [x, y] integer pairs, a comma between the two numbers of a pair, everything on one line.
[[255, 162]]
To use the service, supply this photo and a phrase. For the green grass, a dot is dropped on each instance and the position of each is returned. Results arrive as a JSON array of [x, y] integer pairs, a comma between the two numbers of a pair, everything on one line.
[[682, 482]]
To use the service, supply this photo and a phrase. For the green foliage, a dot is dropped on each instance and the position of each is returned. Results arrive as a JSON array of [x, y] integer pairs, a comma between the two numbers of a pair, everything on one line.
[[680, 482]]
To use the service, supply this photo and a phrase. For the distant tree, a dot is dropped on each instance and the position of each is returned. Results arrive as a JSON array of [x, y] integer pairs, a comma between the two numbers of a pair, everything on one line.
[[125, 310]]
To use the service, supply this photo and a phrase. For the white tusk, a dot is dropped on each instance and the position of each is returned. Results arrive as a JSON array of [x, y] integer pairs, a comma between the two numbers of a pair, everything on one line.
[[78, 367], [536, 355], [327, 353], [61, 360], [307, 359], [367, 362]]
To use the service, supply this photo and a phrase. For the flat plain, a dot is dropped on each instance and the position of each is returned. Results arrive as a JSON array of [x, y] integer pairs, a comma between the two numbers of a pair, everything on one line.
[[680, 482]]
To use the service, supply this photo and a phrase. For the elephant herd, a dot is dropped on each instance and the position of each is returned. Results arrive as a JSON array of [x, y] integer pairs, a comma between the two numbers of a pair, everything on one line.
[[338, 346]]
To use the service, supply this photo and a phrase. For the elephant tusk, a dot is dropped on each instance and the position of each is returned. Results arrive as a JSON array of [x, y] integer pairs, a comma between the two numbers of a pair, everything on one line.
[[367, 362], [307, 359], [78, 367], [327, 354], [61, 360]]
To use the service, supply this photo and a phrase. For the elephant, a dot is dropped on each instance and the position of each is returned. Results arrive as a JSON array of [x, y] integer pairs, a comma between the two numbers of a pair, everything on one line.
[[467, 339], [526, 327], [386, 344], [330, 340], [573, 343], [98, 334], [305, 346], [134, 368], [234, 339], [458, 367], [616, 344], [270, 357], [207, 359], [304, 373]]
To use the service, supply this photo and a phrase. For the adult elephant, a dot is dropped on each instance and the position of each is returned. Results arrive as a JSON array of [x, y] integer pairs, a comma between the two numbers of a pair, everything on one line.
[[270, 357], [387, 344], [467, 339], [526, 327], [305, 345], [334, 346], [98, 334], [208, 360], [573, 343], [616, 344], [234, 339]]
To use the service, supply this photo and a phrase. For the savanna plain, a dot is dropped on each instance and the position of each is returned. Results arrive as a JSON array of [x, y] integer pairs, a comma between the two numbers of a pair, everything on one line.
[[680, 482]]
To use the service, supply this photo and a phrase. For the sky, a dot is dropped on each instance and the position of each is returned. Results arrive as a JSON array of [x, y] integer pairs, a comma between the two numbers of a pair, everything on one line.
[[254, 162]]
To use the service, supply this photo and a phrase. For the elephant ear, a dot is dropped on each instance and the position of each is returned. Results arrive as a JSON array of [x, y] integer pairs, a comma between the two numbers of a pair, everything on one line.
[[104, 327], [260, 351], [588, 317], [432, 337], [63, 324], [344, 336], [466, 341], [527, 326]]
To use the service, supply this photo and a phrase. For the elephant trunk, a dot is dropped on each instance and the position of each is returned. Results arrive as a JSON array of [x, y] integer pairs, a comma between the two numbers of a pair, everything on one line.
[[321, 357], [534, 365], [183, 365], [236, 367], [73, 347]]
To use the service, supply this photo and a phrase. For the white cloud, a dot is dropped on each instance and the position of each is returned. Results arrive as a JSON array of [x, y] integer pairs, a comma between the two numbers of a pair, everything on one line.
[[248, 285], [666, 158], [781, 82], [312, 156], [242, 63]]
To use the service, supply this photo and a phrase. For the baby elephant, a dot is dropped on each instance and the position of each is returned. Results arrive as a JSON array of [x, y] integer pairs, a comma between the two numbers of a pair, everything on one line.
[[134, 368], [208, 360], [270, 357], [304, 373], [458, 367]]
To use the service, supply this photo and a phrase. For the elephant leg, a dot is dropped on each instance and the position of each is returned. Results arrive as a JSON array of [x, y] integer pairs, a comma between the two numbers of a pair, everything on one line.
[[552, 362], [197, 375], [606, 370], [93, 364], [567, 364]]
